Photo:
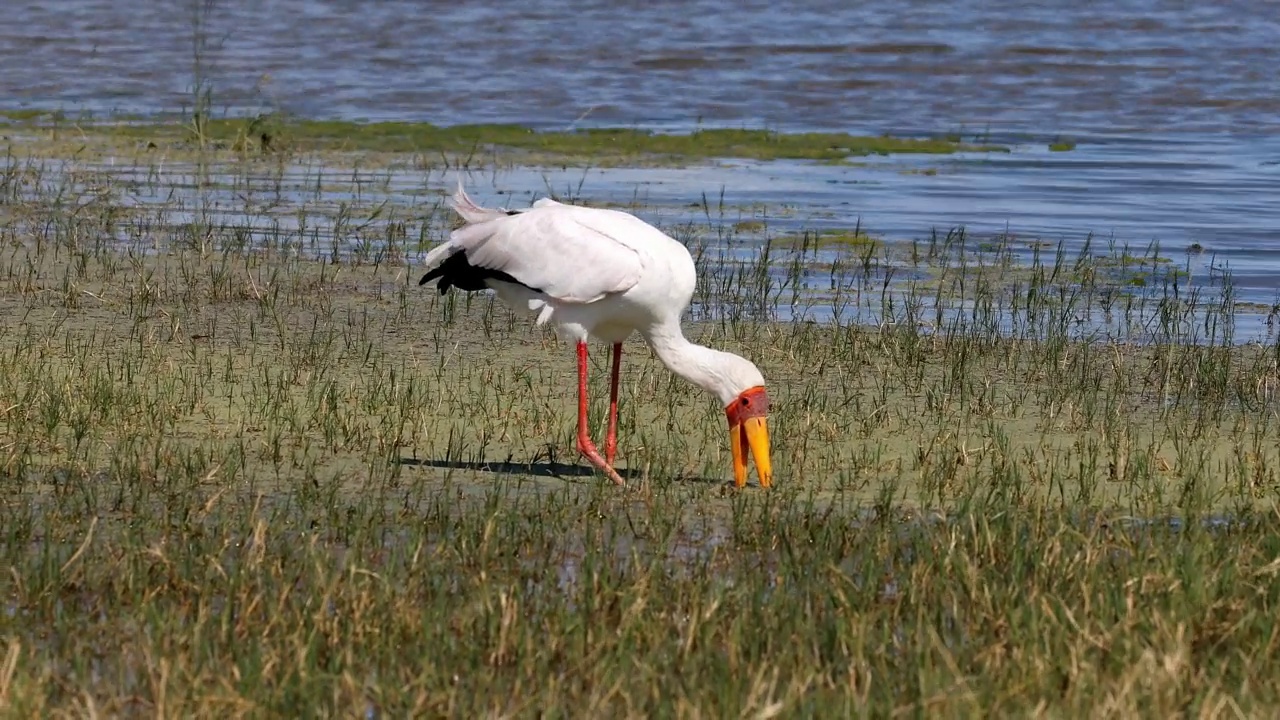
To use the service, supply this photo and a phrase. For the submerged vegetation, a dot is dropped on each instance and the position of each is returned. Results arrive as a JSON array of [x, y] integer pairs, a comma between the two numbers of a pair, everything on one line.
[[599, 146], [250, 467]]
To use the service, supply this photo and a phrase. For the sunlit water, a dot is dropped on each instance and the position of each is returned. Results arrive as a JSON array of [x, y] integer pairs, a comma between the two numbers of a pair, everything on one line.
[[1136, 66]]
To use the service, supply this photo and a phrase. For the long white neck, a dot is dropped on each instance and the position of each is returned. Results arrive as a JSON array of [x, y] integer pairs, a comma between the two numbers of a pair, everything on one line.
[[698, 364]]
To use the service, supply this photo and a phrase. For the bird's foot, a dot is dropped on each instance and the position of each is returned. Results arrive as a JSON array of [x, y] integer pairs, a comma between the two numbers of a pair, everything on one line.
[[588, 450]]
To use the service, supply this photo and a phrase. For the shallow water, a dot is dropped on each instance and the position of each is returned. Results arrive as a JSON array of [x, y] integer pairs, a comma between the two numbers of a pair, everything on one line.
[[1175, 107], [320, 209]]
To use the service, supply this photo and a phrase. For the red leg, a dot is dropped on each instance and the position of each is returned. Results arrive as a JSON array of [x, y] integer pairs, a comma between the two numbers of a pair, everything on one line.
[[585, 446], [611, 439]]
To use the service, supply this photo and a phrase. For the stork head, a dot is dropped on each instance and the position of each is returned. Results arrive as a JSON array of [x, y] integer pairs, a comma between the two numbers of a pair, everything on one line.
[[748, 417], [747, 410]]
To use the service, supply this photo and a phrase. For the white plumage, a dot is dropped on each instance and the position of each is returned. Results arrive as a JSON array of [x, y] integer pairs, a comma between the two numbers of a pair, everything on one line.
[[521, 245], [602, 274]]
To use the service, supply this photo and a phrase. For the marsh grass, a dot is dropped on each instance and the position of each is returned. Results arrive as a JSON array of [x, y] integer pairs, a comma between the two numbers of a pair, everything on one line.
[[251, 468]]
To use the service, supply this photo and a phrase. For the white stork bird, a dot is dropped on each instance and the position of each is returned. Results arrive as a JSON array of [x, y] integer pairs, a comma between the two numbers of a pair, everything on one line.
[[603, 274]]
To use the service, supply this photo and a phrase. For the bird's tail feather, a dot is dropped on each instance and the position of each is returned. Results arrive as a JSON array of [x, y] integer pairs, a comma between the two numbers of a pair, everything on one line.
[[435, 258], [472, 214], [470, 211]]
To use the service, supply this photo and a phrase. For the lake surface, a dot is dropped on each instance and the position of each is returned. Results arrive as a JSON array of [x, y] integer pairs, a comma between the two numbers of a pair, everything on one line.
[[1176, 108], [1136, 66]]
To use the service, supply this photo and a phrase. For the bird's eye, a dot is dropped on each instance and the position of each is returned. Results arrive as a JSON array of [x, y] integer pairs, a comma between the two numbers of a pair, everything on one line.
[[745, 402]]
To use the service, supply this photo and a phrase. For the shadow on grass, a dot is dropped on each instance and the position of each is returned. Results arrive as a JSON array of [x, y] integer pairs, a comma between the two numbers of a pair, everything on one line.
[[546, 469]]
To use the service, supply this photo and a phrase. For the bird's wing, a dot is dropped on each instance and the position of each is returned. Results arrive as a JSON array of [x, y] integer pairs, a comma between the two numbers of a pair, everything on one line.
[[569, 253]]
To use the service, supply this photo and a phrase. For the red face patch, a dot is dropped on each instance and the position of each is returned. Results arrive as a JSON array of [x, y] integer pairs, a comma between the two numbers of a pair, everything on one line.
[[753, 402]]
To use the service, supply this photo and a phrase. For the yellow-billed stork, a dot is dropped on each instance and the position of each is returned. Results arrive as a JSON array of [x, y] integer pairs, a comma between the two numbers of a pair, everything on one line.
[[603, 274]]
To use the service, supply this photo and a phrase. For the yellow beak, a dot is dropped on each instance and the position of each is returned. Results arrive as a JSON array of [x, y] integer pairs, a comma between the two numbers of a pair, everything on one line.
[[750, 438]]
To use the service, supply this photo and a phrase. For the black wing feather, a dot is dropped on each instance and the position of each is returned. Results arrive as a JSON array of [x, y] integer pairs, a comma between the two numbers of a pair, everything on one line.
[[458, 272]]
